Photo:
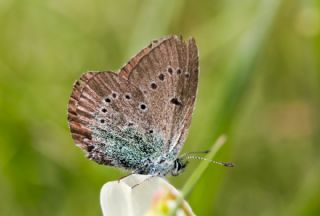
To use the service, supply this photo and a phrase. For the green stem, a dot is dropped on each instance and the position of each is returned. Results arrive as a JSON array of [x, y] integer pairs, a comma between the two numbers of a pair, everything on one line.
[[190, 184]]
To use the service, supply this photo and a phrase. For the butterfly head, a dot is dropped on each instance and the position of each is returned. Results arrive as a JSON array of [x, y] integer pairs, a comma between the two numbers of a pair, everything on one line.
[[178, 166]]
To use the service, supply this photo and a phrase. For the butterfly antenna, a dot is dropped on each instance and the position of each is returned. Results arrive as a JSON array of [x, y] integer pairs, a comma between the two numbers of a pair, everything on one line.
[[226, 164], [185, 155]]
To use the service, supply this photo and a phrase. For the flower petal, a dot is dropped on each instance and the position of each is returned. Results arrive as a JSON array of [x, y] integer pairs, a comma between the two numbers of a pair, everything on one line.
[[138, 195], [115, 199]]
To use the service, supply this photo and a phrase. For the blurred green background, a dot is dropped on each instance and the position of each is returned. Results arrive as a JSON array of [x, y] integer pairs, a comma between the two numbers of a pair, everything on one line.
[[259, 84]]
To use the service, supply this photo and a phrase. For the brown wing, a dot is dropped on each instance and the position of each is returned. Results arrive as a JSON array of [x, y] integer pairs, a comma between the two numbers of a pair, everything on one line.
[[80, 131], [102, 106], [167, 74], [154, 92]]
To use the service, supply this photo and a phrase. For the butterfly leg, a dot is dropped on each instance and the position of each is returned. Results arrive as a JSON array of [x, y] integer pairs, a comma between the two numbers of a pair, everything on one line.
[[119, 180], [147, 179]]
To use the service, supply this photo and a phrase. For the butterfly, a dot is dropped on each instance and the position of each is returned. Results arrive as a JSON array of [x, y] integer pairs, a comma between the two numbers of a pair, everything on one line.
[[138, 118]]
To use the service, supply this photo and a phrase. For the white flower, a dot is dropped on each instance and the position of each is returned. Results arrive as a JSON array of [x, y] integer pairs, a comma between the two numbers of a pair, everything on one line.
[[138, 195]]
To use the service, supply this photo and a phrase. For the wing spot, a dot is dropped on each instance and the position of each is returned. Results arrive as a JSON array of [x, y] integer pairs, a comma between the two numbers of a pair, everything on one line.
[[130, 124], [161, 77], [104, 110], [170, 70], [175, 101], [127, 96], [153, 85], [150, 131], [143, 107], [187, 74], [102, 121], [114, 95], [196, 70], [178, 71], [108, 100]]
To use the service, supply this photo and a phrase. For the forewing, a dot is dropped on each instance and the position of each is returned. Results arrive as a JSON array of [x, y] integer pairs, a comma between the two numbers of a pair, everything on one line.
[[167, 74]]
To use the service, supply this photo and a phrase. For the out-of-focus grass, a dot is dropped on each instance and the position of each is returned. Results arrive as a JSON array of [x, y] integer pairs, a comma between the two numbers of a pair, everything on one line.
[[259, 82]]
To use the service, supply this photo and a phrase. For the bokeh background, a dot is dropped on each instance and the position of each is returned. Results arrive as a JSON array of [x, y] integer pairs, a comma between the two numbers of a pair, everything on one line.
[[259, 84]]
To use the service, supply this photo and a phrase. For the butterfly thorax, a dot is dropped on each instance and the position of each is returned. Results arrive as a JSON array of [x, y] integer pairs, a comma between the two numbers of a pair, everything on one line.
[[163, 167], [160, 166]]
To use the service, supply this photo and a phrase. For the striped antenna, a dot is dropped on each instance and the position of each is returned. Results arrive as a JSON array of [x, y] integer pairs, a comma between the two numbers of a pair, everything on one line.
[[226, 164]]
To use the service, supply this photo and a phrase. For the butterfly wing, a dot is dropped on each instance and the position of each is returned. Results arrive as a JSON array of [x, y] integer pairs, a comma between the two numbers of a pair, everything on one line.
[[167, 74], [109, 119], [123, 119]]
